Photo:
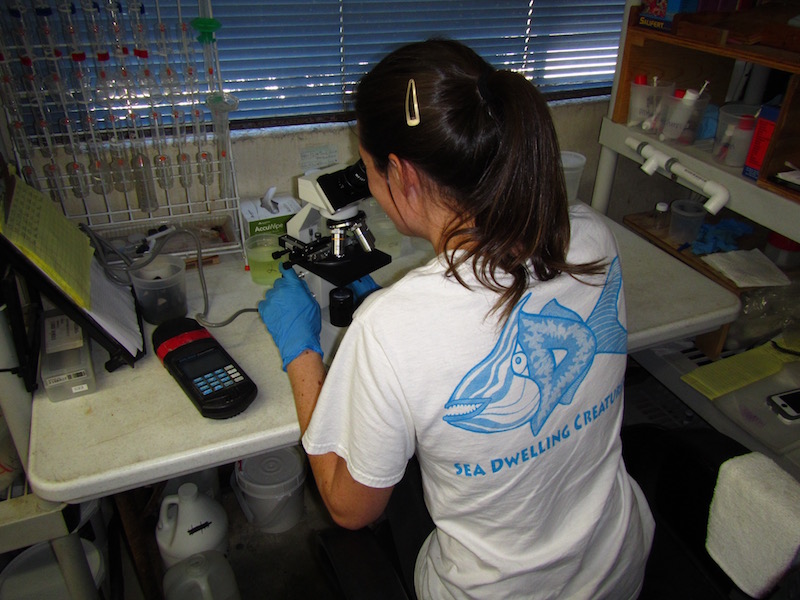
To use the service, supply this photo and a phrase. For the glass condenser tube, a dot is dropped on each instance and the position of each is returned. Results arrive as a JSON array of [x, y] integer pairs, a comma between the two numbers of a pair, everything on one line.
[[144, 181]]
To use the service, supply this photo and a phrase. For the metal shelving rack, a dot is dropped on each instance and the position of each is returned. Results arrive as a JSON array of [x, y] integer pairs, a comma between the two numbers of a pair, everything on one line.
[[116, 110]]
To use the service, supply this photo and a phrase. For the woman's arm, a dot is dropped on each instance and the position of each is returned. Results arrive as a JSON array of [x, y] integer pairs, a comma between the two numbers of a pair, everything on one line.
[[351, 504], [292, 317]]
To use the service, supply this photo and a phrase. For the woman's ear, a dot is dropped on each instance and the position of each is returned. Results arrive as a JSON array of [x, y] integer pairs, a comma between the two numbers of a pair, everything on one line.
[[404, 176]]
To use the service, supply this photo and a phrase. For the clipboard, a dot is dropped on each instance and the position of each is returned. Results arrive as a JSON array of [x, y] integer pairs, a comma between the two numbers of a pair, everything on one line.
[[15, 263]]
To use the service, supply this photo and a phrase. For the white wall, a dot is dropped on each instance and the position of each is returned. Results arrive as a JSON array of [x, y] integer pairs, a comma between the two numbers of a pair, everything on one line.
[[275, 157]]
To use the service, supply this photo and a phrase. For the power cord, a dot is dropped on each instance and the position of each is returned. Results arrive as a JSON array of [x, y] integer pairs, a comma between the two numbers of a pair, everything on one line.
[[120, 274]]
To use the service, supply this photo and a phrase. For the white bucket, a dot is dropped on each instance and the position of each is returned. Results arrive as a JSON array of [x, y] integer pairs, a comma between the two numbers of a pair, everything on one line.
[[269, 488]]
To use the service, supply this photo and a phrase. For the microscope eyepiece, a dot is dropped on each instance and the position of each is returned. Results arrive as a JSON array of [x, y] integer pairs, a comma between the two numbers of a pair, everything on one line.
[[355, 176], [345, 186]]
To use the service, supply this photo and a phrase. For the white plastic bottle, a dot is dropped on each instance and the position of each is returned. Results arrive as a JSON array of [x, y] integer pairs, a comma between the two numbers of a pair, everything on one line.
[[679, 116], [190, 523], [203, 576]]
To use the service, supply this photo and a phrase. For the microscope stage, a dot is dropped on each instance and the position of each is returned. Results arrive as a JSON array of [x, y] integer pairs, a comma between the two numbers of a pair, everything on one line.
[[340, 272]]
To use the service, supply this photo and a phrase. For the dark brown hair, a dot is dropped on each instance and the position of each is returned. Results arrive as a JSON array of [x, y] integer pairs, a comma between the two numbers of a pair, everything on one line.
[[486, 141]]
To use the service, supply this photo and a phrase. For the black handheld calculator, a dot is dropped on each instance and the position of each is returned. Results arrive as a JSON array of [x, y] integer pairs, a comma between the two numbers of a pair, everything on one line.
[[217, 386]]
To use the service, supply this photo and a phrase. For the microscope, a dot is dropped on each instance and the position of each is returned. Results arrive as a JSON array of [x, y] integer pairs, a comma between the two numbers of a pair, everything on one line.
[[329, 243]]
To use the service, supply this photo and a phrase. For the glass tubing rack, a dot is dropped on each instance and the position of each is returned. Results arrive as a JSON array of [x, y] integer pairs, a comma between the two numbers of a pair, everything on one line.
[[109, 113]]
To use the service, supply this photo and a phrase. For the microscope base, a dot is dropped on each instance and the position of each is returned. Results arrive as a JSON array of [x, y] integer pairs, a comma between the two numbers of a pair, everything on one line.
[[330, 337]]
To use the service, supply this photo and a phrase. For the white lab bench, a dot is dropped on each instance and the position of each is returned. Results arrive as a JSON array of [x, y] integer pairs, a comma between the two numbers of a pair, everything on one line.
[[140, 428]]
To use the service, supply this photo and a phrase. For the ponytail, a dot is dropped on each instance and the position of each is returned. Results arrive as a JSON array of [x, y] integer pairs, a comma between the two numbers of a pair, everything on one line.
[[486, 141]]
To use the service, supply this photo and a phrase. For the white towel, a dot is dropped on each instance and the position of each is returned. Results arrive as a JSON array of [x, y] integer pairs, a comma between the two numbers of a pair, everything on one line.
[[754, 522]]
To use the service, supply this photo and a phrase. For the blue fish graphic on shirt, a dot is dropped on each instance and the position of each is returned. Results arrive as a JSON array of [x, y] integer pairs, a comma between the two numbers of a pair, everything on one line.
[[538, 363]]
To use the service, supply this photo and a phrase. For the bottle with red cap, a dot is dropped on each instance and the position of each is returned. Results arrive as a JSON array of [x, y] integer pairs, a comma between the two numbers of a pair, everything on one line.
[[638, 109], [680, 110]]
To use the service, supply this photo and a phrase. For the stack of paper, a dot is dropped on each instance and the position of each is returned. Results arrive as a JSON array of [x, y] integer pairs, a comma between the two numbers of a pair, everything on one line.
[[54, 244]]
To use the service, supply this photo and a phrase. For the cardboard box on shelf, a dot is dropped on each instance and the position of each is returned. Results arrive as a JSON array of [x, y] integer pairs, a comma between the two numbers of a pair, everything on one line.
[[765, 126], [659, 14]]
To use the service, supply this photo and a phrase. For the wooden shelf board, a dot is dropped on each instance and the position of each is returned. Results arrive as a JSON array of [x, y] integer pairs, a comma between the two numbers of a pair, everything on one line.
[[642, 224], [776, 58]]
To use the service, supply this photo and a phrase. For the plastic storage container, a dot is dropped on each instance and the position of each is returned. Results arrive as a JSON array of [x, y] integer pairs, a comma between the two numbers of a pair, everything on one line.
[[646, 102], [735, 129], [681, 116], [269, 488], [264, 269], [161, 289], [685, 221]]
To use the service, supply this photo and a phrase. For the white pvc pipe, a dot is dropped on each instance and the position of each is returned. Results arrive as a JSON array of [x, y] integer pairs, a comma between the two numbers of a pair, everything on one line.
[[716, 193]]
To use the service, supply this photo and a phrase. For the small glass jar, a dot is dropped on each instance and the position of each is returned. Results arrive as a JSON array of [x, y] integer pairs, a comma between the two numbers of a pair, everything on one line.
[[661, 216]]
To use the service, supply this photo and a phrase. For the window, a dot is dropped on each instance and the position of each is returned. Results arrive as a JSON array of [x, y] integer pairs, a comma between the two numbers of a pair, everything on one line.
[[287, 58]]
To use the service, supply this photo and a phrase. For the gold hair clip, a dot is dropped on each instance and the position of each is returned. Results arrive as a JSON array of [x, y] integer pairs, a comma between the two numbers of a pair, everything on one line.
[[412, 105]]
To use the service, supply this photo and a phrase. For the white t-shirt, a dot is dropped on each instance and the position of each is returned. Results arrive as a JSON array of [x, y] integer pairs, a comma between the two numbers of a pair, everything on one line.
[[516, 427]]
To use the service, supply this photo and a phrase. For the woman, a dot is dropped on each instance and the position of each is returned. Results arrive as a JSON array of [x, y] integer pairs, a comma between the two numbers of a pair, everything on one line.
[[499, 364]]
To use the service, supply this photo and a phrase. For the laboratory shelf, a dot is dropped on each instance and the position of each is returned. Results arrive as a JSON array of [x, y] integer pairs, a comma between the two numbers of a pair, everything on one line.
[[689, 56], [775, 212]]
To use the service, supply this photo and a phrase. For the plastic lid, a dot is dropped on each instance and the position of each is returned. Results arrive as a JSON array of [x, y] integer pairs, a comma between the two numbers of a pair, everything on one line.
[[640, 79], [662, 207], [274, 473]]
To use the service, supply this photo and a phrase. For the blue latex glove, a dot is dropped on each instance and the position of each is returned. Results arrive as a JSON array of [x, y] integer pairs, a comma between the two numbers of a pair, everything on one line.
[[362, 288], [292, 316]]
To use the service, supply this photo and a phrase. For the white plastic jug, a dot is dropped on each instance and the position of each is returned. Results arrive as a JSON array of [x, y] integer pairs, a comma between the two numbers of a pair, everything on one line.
[[204, 576], [189, 523]]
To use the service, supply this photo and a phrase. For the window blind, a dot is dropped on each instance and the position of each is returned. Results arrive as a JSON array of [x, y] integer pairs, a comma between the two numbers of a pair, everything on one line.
[[288, 58]]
